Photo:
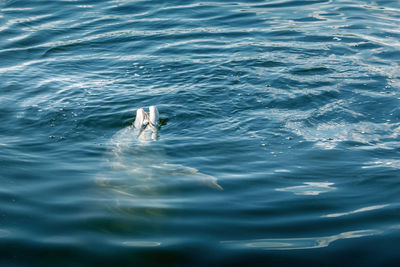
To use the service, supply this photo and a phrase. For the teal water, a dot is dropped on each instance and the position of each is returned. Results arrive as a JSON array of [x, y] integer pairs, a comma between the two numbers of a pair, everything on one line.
[[279, 142]]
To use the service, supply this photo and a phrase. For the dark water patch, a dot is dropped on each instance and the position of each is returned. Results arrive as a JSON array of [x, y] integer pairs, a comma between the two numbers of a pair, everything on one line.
[[312, 71], [308, 19], [389, 55], [285, 33], [367, 45], [130, 8], [352, 8], [316, 38], [239, 17]]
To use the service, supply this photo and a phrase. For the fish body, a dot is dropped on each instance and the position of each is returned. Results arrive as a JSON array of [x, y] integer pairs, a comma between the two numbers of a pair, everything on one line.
[[136, 154]]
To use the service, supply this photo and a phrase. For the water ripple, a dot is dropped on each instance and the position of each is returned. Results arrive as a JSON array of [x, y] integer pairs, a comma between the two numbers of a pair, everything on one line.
[[298, 243]]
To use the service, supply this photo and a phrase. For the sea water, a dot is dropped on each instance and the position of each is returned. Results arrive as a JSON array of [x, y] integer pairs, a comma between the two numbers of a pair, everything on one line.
[[293, 107]]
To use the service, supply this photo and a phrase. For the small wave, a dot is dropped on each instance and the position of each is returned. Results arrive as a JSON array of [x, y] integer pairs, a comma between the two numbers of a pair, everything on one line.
[[370, 208], [297, 243]]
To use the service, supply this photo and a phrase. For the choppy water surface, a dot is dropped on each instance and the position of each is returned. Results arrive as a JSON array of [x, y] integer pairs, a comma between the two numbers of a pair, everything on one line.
[[279, 143]]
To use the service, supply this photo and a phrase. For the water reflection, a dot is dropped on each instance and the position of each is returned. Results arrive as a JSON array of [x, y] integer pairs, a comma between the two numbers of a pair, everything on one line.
[[356, 211], [138, 243], [309, 188], [386, 163], [368, 135], [297, 243]]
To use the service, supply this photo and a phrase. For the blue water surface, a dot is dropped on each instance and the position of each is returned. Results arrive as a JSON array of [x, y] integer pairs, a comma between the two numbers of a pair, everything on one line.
[[279, 139]]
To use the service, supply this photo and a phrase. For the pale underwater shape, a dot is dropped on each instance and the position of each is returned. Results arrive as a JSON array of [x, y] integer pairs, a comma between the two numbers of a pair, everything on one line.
[[139, 165]]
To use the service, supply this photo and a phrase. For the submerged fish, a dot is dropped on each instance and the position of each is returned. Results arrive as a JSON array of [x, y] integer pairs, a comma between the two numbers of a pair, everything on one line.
[[136, 153]]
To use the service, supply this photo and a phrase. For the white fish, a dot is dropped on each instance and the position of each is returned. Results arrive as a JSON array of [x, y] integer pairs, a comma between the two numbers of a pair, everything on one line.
[[136, 154]]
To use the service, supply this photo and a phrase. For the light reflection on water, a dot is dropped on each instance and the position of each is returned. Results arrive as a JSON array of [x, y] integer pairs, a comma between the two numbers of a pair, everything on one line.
[[392, 163], [330, 135], [370, 208], [297, 243], [309, 188], [141, 243]]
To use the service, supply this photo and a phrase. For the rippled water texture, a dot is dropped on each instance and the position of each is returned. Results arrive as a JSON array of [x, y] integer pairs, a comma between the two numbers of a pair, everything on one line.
[[279, 141]]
